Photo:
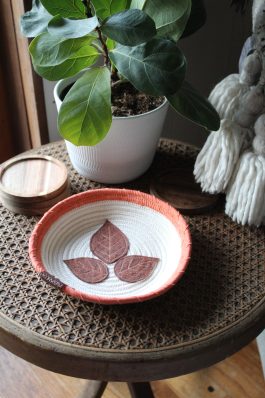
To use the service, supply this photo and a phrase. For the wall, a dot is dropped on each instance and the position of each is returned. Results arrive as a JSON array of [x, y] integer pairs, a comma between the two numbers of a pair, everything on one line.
[[212, 54], [51, 110]]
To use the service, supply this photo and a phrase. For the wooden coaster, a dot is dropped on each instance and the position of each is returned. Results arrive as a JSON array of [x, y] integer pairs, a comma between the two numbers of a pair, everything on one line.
[[32, 184], [178, 187]]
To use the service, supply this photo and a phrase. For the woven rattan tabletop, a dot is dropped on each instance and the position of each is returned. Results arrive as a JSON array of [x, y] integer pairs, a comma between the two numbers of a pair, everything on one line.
[[215, 309]]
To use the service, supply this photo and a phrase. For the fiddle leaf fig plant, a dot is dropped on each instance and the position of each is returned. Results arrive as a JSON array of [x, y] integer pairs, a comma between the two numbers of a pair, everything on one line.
[[137, 40]]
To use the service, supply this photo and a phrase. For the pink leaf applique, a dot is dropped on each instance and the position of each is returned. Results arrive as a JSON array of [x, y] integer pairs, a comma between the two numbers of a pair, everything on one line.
[[135, 268], [88, 269], [109, 243]]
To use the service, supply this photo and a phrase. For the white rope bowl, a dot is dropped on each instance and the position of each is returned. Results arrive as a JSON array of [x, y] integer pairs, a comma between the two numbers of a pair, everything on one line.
[[153, 228]]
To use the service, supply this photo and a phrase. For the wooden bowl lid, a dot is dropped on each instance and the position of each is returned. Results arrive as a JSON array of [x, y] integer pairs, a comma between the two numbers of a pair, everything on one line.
[[178, 187], [32, 184]]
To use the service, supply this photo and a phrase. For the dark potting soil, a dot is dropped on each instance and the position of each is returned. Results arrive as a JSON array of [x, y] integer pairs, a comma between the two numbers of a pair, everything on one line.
[[127, 101]]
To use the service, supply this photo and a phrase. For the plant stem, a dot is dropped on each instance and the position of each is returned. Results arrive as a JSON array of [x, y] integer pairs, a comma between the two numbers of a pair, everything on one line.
[[114, 75], [104, 46], [118, 83], [103, 43]]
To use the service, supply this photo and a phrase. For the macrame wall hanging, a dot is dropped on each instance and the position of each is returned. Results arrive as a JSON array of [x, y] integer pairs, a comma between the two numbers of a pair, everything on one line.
[[232, 160]]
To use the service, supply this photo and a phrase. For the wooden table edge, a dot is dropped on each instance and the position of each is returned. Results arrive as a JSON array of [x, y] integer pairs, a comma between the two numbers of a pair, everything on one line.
[[132, 365]]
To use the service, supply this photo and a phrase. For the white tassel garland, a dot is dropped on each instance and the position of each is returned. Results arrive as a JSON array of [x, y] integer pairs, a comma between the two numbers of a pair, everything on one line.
[[226, 95], [245, 200], [217, 159]]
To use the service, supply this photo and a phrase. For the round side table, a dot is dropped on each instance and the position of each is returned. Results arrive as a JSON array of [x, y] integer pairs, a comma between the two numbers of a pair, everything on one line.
[[213, 311]]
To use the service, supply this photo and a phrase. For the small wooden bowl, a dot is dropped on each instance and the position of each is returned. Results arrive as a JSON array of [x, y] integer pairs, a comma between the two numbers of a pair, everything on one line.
[[32, 184]]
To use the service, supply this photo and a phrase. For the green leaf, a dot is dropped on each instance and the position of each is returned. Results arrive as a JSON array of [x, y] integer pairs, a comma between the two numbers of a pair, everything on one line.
[[190, 104], [170, 16], [35, 21], [157, 67], [105, 8], [71, 28], [65, 8], [197, 18], [85, 114], [137, 4], [130, 27], [55, 58], [110, 44]]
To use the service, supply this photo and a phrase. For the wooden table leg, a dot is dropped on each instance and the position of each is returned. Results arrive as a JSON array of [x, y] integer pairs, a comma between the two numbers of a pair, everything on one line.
[[140, 390], [94, 389]]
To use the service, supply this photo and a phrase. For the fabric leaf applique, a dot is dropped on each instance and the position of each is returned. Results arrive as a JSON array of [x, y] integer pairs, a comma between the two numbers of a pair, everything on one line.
[[135, 268], [109, 243], [87, 269]]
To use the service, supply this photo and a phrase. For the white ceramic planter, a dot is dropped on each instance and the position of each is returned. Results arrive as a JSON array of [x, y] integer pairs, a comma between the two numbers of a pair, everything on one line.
[[125, 153]]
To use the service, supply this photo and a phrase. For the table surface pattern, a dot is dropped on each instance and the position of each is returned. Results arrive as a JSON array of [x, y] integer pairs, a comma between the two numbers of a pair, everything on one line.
[[223, 284]]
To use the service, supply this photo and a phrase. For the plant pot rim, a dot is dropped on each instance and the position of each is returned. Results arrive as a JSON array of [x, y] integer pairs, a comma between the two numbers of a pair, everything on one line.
[[60, 85]]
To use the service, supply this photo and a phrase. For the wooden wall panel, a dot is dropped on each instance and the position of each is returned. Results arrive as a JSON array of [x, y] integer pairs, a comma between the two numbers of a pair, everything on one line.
[[32, 83], [7, 148], [24, 111], [13, 89]]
